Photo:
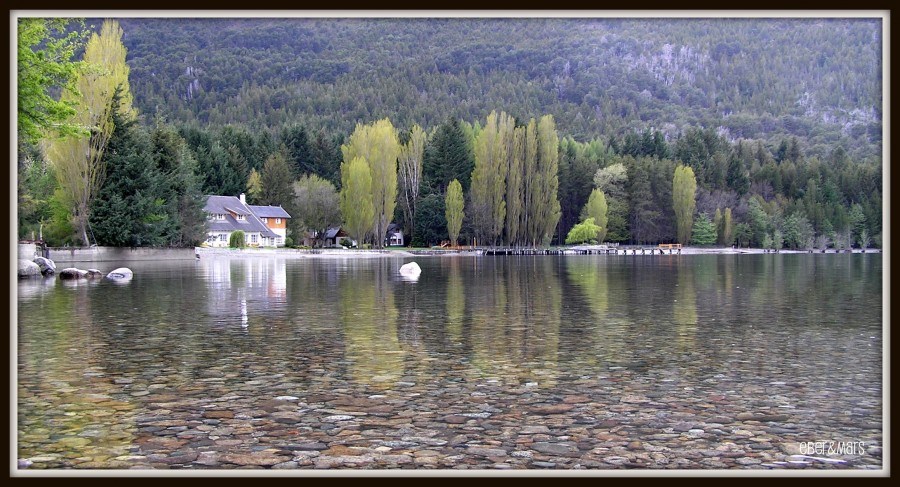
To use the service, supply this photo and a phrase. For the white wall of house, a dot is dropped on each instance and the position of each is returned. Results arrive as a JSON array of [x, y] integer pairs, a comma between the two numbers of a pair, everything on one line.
[[282, 234], [251, 239], [218, 239], [396, 239]]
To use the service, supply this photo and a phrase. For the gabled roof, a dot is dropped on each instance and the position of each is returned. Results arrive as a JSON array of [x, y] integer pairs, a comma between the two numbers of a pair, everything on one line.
[[225, 204], [333, 232], [269, 211], [229, 205]]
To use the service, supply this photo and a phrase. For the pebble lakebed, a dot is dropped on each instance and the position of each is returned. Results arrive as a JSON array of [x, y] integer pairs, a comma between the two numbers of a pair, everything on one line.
[[619, 420]]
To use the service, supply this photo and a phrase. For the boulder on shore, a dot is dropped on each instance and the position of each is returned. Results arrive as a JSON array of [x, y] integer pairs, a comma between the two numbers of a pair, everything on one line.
[[28, 269], [120, 274], [48, 267], [72, 273], [94, 274]]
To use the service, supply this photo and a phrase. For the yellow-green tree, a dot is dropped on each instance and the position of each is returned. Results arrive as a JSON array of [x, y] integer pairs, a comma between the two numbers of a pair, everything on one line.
[[718, 223], [583, 232], [546, 207], [727, 228], [254, 187], [78, 160], [453, 210], [378, 146], [684, 189], [515, 196], [45, 64], [488, 191], [596, 208], [356, 198]]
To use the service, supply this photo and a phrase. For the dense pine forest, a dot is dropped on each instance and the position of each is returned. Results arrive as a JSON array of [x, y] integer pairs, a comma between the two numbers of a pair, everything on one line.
[[778, 120]]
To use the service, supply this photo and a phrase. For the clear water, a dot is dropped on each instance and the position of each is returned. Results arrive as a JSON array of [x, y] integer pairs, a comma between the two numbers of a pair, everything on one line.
[[111, 373]]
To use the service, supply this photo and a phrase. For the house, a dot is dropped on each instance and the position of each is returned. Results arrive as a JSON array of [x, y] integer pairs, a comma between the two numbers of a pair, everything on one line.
[[334, 236], [227, 214], [394, 235], [275, 218]]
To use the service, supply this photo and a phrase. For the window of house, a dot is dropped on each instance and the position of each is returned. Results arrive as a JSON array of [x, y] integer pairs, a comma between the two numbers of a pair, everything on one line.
[[220, 216], [222, 237], [265, 220], [253, 238], [241, 218], [277, 221]]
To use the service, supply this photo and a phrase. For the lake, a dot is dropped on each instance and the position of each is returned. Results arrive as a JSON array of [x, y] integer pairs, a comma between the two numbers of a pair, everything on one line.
[[766, 361]]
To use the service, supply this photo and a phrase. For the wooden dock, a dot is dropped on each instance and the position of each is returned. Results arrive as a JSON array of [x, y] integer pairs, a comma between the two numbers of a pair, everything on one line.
[[588, 250]]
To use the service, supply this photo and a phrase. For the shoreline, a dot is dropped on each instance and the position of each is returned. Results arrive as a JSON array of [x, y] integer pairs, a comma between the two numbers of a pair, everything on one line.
[[96, 255], [201, 252]]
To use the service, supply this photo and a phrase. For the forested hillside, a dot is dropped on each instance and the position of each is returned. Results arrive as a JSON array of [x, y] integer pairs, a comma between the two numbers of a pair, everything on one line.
[[817, 79], [539, 125]]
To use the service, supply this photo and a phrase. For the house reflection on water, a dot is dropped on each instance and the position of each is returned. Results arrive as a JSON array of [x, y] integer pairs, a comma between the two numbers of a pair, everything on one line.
[[240, 288]]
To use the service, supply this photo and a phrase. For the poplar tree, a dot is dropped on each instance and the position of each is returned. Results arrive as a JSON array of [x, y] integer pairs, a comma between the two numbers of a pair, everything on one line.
[[488, 205], [356, 198], [547, 209], [378, 146], [453, 210], [719, 223], [515, 196], [684, 188], [78, 160], [727, 228], [410, 175], [530, 184]]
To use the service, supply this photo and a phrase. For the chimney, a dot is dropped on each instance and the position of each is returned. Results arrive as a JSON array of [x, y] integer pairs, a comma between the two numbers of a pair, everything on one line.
[[243, 200]]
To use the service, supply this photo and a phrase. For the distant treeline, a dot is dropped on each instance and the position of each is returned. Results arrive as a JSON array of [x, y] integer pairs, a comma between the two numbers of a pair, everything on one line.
[[157, 174]]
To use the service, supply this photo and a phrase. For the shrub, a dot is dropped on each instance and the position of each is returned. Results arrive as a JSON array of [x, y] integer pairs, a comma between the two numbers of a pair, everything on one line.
[[583, 232], [236, 241], [288, 242]]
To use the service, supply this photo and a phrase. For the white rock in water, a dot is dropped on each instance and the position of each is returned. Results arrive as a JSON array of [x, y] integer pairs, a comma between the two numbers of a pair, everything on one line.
[[47, 266], [120, 274], [28, 268], [411, 269]]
